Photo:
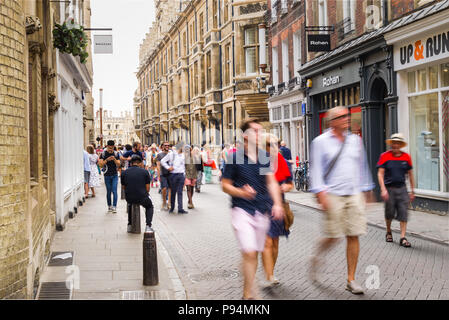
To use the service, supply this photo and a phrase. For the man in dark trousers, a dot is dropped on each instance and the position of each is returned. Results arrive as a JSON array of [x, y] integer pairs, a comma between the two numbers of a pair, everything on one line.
[[136, 181]]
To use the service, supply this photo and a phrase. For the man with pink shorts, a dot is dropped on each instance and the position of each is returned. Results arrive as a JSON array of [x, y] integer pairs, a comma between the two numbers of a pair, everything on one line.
[[255, 194]]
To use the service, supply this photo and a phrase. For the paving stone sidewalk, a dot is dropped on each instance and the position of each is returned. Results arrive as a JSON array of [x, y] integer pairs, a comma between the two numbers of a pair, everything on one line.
[[421, 224], [109, 260], [204, 250]]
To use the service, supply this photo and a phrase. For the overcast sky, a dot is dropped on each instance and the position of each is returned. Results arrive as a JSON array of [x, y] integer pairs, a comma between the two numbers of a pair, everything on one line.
[[130, 20]]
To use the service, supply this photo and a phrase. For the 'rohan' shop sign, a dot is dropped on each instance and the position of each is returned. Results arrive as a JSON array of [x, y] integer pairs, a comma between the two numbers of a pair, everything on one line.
[[420, 51]]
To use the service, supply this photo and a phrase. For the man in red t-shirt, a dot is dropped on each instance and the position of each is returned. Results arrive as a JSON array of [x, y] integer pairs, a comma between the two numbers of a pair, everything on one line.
[[393, 167]]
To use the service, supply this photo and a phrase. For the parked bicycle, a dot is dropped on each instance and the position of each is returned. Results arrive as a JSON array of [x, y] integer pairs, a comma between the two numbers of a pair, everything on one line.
[[302, 176]]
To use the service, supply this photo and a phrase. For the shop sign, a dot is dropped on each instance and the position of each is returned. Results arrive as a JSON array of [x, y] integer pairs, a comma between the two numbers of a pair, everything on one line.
[[423, 50], [103, 44], [318, 42], [330, 81]]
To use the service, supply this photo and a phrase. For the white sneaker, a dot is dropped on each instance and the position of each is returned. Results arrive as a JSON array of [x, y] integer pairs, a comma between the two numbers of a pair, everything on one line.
[[114, 209], [109, 209]]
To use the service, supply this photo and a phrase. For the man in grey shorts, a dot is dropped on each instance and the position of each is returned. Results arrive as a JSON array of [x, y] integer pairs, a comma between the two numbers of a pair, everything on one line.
[[393, 167]]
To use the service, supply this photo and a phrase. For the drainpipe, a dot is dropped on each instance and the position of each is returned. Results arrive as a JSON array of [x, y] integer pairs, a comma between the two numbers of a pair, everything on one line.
[[221, 73]]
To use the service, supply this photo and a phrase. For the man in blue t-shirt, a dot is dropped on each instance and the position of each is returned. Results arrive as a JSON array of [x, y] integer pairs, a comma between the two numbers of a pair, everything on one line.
[[135, 151], [255, 193], [110, 162]]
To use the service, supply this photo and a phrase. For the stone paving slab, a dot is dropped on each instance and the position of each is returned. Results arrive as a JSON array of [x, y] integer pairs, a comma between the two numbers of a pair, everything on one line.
[[108, 261], [204, 250], [422, 224]]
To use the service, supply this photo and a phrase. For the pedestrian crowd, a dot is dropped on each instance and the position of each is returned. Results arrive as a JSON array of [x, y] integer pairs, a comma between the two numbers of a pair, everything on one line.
[[257, 172]]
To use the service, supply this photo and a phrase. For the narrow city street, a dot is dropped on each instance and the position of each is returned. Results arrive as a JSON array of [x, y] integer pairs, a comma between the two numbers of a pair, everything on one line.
[[205, 253]]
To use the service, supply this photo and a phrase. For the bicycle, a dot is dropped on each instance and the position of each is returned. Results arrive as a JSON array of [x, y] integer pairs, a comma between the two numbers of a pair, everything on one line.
[[302, 176]]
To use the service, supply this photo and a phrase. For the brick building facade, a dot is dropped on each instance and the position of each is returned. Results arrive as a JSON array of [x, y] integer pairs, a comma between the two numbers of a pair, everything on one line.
[[29, 103]]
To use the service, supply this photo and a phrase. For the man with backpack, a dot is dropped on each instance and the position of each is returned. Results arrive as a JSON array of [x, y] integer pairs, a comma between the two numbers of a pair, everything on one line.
[[110, 163]]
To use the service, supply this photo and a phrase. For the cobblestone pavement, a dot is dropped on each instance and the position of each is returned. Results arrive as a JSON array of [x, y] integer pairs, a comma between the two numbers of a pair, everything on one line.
[[204, 250]]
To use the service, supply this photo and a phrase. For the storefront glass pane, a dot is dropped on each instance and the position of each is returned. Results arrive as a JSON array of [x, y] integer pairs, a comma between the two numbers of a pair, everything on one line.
[[445, 121], [433, 77], [411, 82], [356, 121], [445, 75], [357, 95], [424, 141], [422, 78]]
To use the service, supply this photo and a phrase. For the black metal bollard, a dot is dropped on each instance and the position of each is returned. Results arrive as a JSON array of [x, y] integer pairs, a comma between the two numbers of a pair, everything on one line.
[[135, 218], [150, 271], [122, 193]]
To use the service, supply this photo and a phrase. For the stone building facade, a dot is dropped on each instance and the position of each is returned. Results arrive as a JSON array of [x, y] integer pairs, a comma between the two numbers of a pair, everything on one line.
[[199, 72], [117, 128], [27, 99]]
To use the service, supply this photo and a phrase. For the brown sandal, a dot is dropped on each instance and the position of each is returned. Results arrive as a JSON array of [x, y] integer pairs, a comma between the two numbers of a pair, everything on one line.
[[389, 237], [404, 243]]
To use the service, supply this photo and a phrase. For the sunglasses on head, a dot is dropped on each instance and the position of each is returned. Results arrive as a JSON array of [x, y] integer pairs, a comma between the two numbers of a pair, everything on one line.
[[341, 117]]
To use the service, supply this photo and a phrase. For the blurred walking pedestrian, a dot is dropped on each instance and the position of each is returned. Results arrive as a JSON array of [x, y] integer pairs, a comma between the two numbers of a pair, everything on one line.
[[86, 173], [110, 163], [255, 193], [339, 176], [287, 154], [175, 163], [164, 174], [136, 181], [393, 168], [283, 176], [94, 179], [191, 162], [199, 168]]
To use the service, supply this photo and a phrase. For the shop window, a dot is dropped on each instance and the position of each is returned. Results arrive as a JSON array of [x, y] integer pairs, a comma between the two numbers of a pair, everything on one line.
[[424, 140], [356, 121], [445, 122], [286, 112], [445, 75], [422, 80], [433, 77], [411, 82]]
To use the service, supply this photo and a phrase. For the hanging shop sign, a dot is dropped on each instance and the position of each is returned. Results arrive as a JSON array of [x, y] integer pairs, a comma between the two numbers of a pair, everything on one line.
[[103, 44], [318, 42], [422, 50]]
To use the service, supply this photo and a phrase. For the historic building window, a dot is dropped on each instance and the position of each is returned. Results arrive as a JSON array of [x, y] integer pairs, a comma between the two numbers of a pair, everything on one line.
[[215, 13], [250, 48], [296, 51], [349, 15], [227, 75], [275, 73], [195, 81], [226, 11], [208, 71], [201, 26], [184, 44], [176, 50], [285, 56]]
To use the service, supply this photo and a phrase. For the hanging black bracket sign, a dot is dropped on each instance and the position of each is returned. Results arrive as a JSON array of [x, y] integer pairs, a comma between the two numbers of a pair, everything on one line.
[[318, 42]]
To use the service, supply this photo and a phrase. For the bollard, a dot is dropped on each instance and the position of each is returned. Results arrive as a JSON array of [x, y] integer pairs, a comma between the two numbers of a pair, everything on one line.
[[135, 218], [122, 193], [150, 271]]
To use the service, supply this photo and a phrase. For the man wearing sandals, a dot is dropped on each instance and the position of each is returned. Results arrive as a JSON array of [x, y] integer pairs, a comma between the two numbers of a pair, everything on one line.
[[393, 166]]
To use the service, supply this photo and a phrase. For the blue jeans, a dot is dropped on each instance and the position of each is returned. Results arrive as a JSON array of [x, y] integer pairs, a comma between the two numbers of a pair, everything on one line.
[[176, 185], [111, 186]]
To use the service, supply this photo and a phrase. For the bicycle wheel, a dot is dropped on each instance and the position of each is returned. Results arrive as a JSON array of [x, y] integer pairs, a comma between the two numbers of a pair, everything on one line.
[[297, 178]]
